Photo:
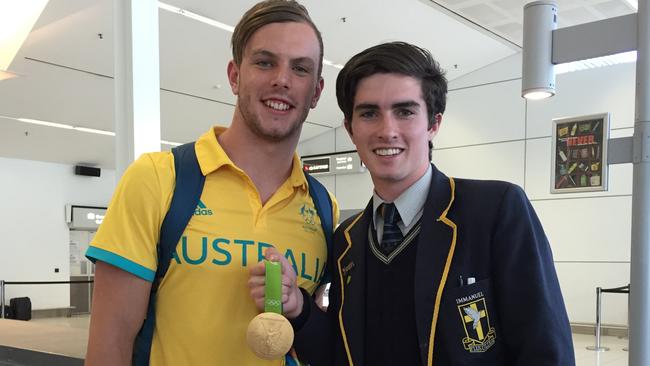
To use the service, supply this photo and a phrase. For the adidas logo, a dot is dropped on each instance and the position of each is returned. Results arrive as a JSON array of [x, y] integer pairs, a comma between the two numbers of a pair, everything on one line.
[[202, 210]]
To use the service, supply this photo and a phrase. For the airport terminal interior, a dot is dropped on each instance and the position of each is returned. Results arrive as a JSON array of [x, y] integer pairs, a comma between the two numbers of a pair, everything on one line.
[[62, 151]]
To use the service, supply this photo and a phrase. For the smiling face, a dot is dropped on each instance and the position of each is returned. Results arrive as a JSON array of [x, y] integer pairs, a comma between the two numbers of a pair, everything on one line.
[[277, 82], [389, 127]]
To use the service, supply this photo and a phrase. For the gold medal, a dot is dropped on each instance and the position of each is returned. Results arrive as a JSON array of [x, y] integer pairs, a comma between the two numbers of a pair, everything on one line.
[[270, 335]]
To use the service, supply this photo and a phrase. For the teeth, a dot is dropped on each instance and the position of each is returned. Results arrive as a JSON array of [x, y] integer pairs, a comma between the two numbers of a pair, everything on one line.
[[277, 105], [387, 152]]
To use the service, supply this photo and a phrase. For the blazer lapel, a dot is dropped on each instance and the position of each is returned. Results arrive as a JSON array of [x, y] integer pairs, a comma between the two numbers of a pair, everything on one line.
[[352, 276], [436, 245]]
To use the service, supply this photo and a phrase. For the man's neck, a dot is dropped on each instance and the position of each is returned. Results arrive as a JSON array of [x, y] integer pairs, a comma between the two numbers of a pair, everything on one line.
[[389, 191], [267, 163]]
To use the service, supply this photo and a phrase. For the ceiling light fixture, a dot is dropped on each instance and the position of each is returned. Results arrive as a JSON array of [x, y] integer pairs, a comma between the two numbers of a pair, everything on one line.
[[15, 25], [538, 95], [44, 123], [195, 16], [4, 75], [330, 63], [214, 23], [538, 78], [92, 130], [76, 128]]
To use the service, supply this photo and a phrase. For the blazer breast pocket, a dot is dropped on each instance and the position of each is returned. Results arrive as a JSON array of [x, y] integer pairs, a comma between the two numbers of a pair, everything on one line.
[[469, 325]]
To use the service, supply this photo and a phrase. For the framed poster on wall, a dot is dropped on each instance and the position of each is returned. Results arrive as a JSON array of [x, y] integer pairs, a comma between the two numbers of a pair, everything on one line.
[[579, 149]]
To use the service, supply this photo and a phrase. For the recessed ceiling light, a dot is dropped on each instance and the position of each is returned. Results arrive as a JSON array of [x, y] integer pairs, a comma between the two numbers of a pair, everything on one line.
[[76, 128], [200, 18], [44, 123], [4, 75], [330, 63], [92, 130]]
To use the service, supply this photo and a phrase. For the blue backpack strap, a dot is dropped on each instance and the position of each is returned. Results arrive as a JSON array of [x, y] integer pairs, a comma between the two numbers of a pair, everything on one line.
[[290, 361], [323, 204], [187, 192]]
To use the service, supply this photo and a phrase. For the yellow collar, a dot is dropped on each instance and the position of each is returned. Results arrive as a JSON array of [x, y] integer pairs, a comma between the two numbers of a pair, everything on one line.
[[211, 157]]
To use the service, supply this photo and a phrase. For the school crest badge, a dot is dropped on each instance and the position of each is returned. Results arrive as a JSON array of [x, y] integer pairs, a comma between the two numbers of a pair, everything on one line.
[[479, 334]]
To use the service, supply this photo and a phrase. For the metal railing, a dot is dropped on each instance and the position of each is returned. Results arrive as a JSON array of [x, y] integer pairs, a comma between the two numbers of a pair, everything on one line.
[[599, 293], [3, 283]]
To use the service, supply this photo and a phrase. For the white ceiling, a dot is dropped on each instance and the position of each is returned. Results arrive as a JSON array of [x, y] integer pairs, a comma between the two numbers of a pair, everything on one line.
[[66, 63], [505, 17]]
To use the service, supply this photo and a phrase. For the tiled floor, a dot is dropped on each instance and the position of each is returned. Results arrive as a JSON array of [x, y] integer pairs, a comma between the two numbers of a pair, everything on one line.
[[56, 336], [76, 321], [78, 325], [614, 357]]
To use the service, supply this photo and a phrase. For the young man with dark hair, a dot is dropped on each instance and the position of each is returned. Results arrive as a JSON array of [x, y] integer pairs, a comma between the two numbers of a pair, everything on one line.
[[252, 198], [435, 270]]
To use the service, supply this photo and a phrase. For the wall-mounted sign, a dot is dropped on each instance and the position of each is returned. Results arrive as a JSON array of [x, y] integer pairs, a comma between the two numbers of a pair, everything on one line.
[[347, 162], [579, 162], [316, 165], [84, 217]]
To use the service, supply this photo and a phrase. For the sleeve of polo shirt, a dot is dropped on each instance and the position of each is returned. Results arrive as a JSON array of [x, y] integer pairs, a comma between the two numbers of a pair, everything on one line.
[[335, 210], [128, 236]]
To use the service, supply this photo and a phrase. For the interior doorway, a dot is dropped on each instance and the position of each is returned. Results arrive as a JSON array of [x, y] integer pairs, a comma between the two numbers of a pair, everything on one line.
[[81, 269]]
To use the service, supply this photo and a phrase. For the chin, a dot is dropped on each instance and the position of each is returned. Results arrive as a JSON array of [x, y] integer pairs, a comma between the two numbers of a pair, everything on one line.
[[279, 134], [386, 175]]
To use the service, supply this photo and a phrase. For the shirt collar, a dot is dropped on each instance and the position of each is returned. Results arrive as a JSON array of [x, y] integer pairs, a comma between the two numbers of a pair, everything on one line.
[[410, 202], [211, 157]]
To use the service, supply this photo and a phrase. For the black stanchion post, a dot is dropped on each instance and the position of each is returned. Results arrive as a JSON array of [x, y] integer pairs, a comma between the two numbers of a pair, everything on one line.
[[597, 347], [627, 349], [2, 299]]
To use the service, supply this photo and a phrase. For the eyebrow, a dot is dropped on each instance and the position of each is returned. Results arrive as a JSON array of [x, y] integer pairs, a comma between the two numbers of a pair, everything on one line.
[[365, 106], [404, 104], [263, 52], [267, 53]]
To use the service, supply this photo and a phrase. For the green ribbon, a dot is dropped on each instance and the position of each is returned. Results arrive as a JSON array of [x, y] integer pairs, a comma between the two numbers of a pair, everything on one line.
[[273, 288]]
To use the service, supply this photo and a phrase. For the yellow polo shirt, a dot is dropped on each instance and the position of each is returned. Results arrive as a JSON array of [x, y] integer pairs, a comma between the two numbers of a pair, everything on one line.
[[203, 306]]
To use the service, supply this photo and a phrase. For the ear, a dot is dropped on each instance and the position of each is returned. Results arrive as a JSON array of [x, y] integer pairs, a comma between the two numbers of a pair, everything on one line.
[[319, 89], [233, 76], [433, 131]]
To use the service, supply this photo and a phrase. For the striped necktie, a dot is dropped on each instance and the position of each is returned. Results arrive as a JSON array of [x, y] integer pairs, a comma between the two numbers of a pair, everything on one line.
[[392, 235]]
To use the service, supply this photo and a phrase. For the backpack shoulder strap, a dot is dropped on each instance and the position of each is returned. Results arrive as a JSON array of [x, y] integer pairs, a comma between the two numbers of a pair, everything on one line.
[[187, 192], [323, 204]]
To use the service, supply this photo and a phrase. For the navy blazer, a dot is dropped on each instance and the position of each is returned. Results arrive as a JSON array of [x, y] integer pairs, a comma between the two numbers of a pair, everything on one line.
[[513, 313]]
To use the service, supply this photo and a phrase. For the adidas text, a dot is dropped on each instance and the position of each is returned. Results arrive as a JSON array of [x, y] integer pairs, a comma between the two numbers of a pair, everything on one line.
[[202, 212]]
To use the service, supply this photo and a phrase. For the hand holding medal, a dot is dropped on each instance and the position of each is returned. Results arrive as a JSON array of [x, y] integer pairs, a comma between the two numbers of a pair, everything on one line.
[[270, 335]]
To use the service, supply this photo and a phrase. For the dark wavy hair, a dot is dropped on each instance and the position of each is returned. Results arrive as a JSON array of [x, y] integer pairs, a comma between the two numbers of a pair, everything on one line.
[[399, 58]]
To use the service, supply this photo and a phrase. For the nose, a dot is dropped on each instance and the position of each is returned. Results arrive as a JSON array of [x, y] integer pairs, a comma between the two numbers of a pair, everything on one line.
[[282, 76], [388, 127]]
